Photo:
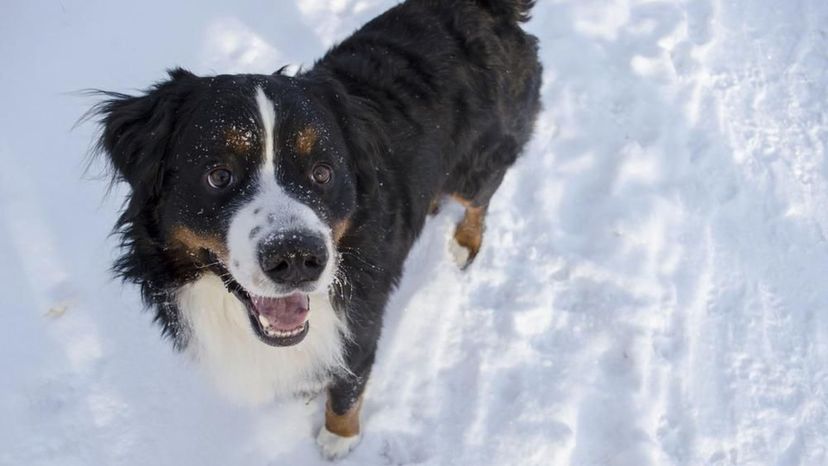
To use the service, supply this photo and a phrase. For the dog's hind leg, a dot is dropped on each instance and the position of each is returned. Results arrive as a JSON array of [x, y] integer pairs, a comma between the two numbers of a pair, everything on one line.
[[468, 234], [475, 182]]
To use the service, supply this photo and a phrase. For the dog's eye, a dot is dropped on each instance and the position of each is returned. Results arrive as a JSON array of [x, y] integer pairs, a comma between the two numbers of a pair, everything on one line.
[[219, 178], [321, 173]]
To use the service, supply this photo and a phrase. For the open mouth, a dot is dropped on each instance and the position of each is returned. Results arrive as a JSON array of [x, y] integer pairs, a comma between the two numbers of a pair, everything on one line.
[[281, 321]]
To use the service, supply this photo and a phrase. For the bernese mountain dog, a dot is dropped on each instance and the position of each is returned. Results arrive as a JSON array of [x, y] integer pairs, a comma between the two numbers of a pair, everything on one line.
[[269, 216]]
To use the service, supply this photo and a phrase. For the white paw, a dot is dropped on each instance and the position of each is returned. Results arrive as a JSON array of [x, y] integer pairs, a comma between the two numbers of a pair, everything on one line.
[[459, 253], [334, 446]]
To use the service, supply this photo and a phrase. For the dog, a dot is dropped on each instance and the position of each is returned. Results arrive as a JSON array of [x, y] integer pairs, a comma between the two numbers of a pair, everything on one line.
[[269, 216]]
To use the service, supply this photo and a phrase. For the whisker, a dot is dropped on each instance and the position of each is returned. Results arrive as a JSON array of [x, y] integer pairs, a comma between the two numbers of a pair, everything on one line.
[[206, 266], [357, 256]]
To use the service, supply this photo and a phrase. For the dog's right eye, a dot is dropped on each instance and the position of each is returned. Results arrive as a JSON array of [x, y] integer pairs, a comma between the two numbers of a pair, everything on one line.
[[219, 178]]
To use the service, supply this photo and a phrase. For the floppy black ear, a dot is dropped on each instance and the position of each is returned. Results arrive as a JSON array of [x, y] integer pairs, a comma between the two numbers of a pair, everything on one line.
[[137, 130]]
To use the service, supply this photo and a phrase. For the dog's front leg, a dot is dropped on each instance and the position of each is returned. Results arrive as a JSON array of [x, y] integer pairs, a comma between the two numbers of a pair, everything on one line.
[[341, 432]]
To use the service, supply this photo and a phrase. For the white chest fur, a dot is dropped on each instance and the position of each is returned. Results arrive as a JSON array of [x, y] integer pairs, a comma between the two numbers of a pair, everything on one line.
[[246, 369]]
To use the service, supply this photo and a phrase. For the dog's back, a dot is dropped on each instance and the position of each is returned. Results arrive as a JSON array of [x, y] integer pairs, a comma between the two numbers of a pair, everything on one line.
[[454, 86]]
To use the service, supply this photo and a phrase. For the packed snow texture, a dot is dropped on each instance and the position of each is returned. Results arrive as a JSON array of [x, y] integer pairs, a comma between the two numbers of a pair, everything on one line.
[[651, 290]]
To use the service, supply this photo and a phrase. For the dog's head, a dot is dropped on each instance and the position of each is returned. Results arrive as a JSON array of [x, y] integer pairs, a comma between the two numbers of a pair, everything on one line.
[[252, 177]]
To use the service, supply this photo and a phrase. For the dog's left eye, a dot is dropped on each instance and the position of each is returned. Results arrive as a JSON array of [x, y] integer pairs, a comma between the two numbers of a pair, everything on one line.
[[219, 178]]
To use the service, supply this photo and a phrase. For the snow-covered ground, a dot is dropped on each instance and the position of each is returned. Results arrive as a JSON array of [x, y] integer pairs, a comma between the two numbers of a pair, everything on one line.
[[651, 289]]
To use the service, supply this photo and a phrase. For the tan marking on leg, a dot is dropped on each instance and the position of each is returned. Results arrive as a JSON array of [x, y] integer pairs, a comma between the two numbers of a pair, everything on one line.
[[194, 242], [305, 140], [469, 232], [345, 425]]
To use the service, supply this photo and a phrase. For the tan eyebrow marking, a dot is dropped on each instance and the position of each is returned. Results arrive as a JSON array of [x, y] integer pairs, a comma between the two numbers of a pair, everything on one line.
[[306, 139], [238, 140]]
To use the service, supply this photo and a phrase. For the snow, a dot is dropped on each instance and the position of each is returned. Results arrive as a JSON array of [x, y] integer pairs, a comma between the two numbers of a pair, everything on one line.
[[650, 289]]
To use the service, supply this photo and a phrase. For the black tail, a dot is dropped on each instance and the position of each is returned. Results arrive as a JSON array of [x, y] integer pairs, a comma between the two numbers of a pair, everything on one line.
[[511, 10]]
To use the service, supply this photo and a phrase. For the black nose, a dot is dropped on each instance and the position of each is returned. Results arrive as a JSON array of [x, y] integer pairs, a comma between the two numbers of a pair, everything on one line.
[[293, 257]]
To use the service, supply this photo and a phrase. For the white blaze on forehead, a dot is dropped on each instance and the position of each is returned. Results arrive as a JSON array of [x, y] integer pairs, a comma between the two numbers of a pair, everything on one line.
[[267, 113]]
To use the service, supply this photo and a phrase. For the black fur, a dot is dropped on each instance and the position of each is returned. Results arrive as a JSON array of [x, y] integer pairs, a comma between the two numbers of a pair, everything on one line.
[[432, 98]]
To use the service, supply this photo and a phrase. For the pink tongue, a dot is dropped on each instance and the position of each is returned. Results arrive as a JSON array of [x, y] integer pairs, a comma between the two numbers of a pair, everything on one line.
[[285, 313]]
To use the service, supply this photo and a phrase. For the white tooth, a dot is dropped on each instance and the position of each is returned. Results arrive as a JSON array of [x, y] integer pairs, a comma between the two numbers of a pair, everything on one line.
[[265, 323]]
